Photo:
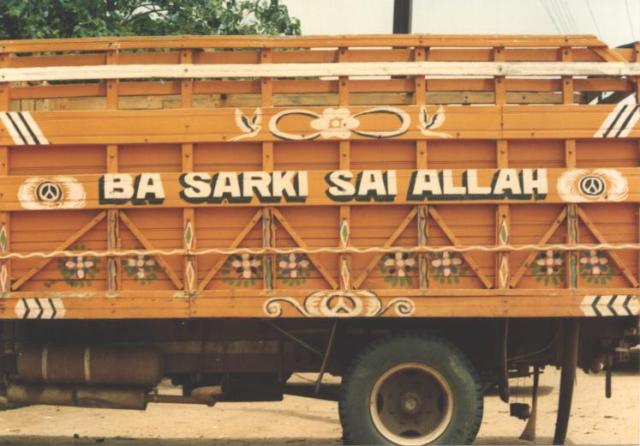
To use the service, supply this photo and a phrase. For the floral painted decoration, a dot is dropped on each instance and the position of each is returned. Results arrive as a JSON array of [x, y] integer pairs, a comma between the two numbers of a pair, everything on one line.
[[242, 269], [548, 267], [335, 123], [397, 268], [293, 269], [447, 267], [141, 268], [78, 271], [595, 266]]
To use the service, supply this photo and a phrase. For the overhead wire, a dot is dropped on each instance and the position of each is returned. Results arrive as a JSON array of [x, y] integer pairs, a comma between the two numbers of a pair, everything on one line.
[[633, 33], [593, 17], [550, 15]]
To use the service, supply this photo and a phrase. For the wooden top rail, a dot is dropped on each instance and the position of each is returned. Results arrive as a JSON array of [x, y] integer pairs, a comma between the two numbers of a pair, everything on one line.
[[193, 42], [312, 70]]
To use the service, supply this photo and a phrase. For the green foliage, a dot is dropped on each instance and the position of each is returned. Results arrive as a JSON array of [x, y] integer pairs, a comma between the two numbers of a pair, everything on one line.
[[38, 19]]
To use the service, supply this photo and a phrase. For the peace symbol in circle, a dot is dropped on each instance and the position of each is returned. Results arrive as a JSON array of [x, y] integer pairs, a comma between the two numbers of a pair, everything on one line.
[[592, 186], [49, 192]]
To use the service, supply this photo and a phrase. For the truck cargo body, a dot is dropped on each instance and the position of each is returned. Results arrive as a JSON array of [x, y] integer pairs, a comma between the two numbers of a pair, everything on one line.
[[228, 211]]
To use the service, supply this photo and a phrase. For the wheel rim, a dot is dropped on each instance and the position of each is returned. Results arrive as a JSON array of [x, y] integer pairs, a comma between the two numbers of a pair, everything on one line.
[[411, 404]]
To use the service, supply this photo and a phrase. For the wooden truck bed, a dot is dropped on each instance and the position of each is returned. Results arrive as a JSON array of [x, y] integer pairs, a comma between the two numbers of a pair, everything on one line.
[[396, 176]]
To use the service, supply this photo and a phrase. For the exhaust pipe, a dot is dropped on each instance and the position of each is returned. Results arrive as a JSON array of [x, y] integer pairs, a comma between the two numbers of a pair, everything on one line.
[[101, 397]]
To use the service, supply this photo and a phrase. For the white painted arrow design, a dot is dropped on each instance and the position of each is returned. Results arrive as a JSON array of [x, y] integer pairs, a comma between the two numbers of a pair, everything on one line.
[[37, 308], [610, 305]]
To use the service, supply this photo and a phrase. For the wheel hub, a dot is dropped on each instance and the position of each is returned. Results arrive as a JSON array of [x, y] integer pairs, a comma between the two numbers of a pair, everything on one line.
[[411, 404]]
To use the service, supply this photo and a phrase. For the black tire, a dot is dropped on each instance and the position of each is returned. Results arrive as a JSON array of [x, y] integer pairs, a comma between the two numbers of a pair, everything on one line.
[[452, 367]]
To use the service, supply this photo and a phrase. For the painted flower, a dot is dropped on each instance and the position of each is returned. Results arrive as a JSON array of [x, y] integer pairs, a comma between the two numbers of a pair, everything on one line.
[[293, 269], [549, 262], [79, 267], [447, 264], [594, 262], [335, 123], [78, 271], [399, 264], [397, 268], [246, 266], [293, 266], [141, 267], [595, 267]]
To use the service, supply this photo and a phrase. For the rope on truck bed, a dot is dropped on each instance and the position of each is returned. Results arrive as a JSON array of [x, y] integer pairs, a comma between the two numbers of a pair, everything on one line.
[[323, 250]]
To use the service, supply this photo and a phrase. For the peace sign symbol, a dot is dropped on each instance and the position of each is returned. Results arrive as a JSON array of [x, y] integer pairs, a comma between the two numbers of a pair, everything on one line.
[[592, 186], [49, 192]]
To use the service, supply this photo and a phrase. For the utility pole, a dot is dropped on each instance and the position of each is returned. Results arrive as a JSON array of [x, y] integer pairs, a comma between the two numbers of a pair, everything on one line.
[[402, 12]]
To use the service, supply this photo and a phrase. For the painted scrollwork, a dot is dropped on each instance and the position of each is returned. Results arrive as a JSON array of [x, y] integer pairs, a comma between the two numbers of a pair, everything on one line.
[[249, 126], [357, 303], [428, 124], [338, 123]]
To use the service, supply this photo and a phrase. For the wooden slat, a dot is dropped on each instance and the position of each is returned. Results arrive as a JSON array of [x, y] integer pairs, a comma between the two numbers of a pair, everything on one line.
[[582, 215], [383, 40], [61, 247], [375, 260], [293, 70], [515, 278], [138, 234], [301, 243], [234, 244], [455, 242]]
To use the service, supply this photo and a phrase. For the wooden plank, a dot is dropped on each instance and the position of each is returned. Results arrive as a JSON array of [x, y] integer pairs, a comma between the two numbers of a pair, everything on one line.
[[138, 234], [293, 70], [344, 225], [234, 244], [245, 306], [543, 190], [268, 222], [301, 243], [582, 215], [320, 41], [5, 217], [219, 124], [61, 247], [573, 230], [375, 260], [190, 268], [422, 212], [455, 242]]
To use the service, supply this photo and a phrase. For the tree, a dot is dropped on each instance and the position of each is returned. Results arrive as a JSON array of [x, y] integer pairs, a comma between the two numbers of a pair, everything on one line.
[[35, 19]]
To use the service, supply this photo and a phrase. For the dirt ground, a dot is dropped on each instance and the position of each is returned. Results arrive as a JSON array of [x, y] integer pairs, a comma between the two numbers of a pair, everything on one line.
[[301, 421]]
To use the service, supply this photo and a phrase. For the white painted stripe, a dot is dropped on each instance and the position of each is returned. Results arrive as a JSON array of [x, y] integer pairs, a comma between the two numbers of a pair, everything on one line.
[[20, 309], [35, 127], [47, 309], [634, 306], [292, 70], [21, 127], [586, 307], [629, 102], [59, 306], [15, 136], [34, 309]]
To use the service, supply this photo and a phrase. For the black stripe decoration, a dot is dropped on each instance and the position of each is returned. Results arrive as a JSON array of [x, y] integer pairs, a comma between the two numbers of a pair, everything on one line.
[[17, 129], [610, 305], [41, 310], [594, 305], [625, 305], [26, 124], [626, 121], [53, 308]]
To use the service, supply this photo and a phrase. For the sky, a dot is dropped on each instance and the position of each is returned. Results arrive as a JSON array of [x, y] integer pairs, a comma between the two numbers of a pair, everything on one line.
[[616, 22]]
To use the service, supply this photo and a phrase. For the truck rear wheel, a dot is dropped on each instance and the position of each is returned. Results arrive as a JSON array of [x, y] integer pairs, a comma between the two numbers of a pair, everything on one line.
[[411, 390]]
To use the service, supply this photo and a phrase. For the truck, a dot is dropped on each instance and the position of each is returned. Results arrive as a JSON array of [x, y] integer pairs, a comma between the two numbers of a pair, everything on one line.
[[424, 217]]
